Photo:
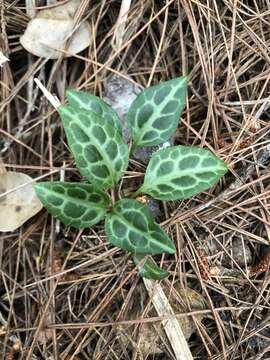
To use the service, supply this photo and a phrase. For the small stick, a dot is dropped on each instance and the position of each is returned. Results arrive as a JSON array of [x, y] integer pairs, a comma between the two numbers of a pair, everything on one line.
[[52, 99]]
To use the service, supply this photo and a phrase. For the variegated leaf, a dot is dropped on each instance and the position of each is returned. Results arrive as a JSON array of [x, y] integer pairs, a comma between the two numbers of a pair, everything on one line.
[[74, 204]]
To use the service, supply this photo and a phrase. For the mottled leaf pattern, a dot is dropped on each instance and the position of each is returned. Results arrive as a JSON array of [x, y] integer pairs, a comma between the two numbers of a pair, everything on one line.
[[154, 115], [148, 268], [74, 204], [99, 150], [131, 227], [84, 100], [180, 172]]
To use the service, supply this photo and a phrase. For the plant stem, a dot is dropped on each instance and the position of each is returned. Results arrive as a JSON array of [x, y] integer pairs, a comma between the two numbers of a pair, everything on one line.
[[138, 192], [113, 196], [131, 148]]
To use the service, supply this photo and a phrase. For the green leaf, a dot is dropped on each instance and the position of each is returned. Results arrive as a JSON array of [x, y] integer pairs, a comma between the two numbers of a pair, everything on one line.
[[180, 172], [131, 227], [74, 204], [154, 115], [84, 100], [148, 268], [98, 148]]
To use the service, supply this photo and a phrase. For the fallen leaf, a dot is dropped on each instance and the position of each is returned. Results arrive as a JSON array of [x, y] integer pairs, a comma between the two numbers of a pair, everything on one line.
[[18, 206], [47, 34], [151, 337], [179, 304]]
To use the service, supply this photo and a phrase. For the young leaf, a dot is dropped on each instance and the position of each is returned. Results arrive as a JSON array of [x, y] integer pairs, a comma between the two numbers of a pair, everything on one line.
[[99, 150], [84, 100], [131, 227], [154, 115], [148, 268], [180, 172], [74, 204]]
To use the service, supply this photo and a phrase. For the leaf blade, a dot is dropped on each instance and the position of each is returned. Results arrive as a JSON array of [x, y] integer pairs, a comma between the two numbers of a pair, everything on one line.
[[74, 204], [154, 115], [86, 101], [180, 172], [98, 148], [148, 268], [131, 227]]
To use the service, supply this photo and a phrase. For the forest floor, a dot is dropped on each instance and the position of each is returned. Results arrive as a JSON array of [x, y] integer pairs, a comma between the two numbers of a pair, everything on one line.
[[68, 294]]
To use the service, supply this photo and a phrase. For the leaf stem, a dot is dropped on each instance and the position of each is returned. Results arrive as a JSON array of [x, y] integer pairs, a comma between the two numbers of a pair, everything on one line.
[[113, 196], [132, 147], [136, 193]]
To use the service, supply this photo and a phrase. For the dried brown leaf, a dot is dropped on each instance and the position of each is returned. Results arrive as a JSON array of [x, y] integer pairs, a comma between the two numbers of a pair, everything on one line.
[[18, 206], [46, 35], [151, 336]]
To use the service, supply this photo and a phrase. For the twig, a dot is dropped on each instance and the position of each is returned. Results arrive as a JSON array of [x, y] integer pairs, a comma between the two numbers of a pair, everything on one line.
[[52, 99]]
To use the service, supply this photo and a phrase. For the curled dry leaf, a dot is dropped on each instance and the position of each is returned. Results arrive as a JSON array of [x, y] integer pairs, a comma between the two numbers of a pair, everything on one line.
[[19, 205], [47, 34]]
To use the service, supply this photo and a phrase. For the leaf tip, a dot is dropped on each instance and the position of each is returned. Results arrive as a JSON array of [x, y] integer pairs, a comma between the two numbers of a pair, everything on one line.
[[224, 167], [36, 186], [70, 92], [184, 79], [171, 250], [61, 109]]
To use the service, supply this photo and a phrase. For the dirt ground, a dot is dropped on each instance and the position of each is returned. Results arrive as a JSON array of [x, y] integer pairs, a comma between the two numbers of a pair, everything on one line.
[[68, 294]]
